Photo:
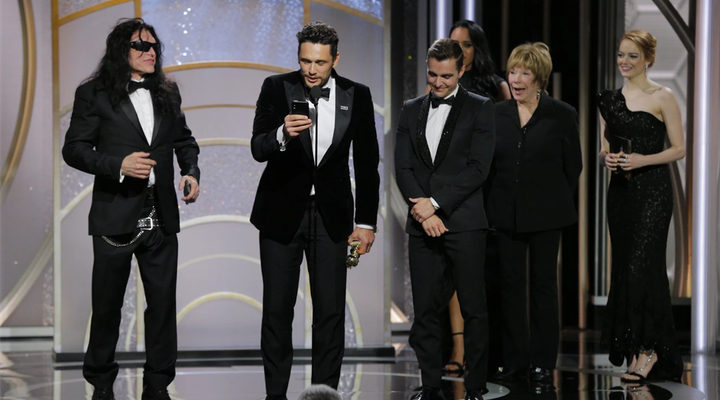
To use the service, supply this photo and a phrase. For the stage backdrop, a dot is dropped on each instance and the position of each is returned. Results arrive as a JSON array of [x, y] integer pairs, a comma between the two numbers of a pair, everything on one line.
[[219, 52]]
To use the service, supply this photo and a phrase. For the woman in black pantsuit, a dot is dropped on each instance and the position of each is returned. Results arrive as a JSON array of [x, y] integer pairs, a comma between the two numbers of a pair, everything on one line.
[[531, 198]]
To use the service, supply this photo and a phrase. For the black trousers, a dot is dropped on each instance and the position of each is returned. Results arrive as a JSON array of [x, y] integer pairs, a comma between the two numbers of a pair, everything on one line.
[[280, 265], [532, 328], [463, 253], [157, 255]]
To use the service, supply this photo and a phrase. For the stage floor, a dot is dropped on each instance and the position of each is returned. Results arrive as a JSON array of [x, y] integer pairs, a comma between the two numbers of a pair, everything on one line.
[[27, 371]]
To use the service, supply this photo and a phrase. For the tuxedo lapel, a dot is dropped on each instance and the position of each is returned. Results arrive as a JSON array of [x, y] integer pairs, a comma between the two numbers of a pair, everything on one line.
[[343, 113], [296, 91], [420, 139], [449, 127], [129, 111], [157, 121]]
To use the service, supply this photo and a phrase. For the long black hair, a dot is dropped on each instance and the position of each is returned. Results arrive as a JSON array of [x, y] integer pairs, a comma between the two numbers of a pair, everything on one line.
[[483, 66], [114, 70]]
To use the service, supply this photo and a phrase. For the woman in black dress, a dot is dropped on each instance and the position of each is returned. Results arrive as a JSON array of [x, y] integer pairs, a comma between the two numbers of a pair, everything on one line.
[[636, 121], [480, 78]]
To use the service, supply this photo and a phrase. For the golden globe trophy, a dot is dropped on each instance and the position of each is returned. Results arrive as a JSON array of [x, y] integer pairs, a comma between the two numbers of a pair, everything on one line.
[[353, 257]]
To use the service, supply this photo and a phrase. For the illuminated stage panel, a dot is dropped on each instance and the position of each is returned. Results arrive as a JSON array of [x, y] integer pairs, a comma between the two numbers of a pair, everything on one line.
[[372, 7], [255, 31], [362, 54], [219, 85], [81, 44], [221, 121], [229, 177], [66, 7]]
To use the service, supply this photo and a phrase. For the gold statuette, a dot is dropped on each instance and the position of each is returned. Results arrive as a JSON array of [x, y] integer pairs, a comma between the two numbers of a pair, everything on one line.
[[354, 257]]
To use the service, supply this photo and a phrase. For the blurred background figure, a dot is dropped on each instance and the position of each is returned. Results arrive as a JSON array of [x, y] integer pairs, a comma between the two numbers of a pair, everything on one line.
[[479, 77]]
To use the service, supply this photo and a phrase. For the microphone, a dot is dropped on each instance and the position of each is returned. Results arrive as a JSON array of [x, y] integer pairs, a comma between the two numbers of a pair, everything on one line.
[[315, 93]]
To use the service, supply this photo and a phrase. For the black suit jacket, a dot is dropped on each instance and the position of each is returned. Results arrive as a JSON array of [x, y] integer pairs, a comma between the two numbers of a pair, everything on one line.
[[462, 161], [100, 137], [536, 167], [284, 189]]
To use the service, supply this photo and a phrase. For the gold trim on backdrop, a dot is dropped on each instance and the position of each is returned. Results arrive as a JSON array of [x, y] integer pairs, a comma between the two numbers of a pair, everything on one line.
[[89, 10], [75, 201], [138, 8], [218, 296], [225, 64], [306, 12], [224, 141], [217, 257], [346, 9], [27, 97], [211, 219], [251, 106], [27, 280], [57, 243]]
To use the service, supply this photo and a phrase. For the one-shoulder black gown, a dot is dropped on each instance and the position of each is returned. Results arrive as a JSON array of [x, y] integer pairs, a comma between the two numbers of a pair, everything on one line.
[[639, 207]]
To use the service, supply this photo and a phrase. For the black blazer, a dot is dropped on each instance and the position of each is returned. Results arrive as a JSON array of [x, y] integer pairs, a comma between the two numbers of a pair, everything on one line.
[[100, 137], [536, 168], [284, 189], [462, 161]]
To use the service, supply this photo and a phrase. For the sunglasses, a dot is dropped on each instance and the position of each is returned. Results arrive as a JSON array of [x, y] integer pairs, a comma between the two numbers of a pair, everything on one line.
[[141, 45]]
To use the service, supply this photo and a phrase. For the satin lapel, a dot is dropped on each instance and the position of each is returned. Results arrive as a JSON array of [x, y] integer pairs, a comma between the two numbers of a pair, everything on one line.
[[129, 111], [296, 91], [158, 120], [420, 140], [343, 113], [449, 127]]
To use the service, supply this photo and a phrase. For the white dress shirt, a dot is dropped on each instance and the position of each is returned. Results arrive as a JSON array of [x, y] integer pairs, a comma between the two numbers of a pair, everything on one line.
[[434, 128], [325, 131], [326, 125], [143, 105]]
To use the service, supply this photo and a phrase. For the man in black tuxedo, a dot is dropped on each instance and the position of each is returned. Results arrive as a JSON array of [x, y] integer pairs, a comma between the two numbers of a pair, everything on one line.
[[125, 125], [304, 202], [443, 152]]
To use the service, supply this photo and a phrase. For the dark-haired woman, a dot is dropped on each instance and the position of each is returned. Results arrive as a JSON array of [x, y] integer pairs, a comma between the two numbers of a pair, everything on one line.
[[479, 76]]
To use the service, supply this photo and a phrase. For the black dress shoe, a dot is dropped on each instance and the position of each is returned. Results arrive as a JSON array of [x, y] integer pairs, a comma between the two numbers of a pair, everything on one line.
[[428, 394], [153, 393], [105, 393], [541, 375], [509, 374]]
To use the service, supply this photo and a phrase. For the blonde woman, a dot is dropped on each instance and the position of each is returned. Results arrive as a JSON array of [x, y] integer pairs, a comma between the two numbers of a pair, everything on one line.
[[636, 122], [533, 182]]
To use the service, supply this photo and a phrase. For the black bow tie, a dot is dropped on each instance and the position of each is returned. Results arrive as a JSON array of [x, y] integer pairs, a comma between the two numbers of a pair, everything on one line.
[[324, 93], [436, 101], [133, 86]]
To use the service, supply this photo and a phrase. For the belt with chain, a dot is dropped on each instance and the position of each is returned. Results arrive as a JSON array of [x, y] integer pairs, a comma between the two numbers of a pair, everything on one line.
[[144, 225]]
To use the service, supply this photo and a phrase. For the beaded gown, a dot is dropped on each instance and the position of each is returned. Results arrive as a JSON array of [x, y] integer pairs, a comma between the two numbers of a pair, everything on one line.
[[639, 207]]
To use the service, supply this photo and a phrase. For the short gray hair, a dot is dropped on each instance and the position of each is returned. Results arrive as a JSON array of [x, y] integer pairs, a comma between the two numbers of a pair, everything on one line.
[[320, 392]]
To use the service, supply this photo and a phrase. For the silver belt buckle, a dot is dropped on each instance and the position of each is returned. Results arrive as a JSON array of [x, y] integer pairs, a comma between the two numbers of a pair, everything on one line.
[[143, 225]]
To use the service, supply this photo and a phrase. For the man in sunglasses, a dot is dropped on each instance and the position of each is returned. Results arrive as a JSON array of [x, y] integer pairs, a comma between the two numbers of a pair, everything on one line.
[[125, 125]]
